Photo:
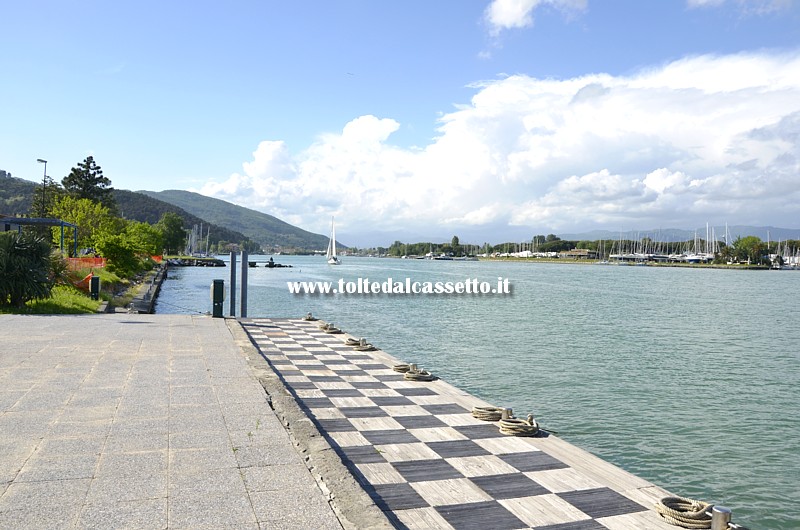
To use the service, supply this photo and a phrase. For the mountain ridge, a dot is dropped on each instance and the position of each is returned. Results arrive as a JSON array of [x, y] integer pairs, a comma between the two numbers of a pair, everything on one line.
[[267, 230]]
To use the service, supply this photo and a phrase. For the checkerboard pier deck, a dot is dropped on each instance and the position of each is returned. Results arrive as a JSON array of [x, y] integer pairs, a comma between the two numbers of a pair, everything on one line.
[[426, 462]]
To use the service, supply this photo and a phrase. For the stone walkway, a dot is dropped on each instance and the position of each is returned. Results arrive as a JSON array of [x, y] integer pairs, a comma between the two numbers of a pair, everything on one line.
[[142, 421]]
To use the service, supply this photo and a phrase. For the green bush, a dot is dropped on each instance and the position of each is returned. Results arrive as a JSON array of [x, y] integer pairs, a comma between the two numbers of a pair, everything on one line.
[[119, 253], [24, 269]]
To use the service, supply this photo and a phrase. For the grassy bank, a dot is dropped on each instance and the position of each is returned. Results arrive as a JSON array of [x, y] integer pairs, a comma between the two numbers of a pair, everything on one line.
[[67, 298]]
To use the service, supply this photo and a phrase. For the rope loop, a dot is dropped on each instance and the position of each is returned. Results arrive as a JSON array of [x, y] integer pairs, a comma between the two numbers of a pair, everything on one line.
[[402, 368], [418, 375], [363, 345], [329, 328], [487, 413], [687, 513], [518, 427]]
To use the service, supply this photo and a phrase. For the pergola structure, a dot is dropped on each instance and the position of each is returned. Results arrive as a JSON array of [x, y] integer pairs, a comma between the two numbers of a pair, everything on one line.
[[10, 223]]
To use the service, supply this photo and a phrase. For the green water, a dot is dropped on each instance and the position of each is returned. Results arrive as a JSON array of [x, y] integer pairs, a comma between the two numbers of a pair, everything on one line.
[[685, 377]]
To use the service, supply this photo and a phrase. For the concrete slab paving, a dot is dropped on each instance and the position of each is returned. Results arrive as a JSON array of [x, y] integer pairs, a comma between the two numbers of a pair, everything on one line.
[[143, 421]]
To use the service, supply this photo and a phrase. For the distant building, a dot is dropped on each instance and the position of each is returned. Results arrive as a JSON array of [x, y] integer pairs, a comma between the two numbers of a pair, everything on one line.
[[578, 253]]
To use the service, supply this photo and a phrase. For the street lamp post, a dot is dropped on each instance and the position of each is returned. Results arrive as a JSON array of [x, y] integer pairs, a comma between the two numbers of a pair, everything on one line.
[[44, 184]]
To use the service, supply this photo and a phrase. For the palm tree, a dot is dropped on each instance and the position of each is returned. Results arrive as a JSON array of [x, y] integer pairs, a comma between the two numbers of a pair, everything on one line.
[[24, 269]]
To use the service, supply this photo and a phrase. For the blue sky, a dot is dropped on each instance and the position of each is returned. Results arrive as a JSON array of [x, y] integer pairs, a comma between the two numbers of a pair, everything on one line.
[[491, 120]]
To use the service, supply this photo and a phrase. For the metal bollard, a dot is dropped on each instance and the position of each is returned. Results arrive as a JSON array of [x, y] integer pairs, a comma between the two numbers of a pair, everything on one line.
[[94, 287], [506, 414], [720, 517], [217, 297], [232, 311], [243, 288]]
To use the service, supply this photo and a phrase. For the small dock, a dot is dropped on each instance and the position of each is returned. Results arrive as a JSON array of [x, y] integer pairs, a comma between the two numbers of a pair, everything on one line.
[[426, 462]]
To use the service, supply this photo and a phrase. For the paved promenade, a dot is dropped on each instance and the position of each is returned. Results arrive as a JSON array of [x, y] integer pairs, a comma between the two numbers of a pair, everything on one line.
[[191, 422], [143, 421]]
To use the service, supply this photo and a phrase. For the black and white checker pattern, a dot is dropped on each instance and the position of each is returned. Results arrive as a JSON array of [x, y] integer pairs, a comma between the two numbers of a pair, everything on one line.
[[419, 453]]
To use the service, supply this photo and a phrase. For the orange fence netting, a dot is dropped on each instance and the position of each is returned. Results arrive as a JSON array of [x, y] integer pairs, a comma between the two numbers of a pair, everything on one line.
[[85, 263], [75, 264]]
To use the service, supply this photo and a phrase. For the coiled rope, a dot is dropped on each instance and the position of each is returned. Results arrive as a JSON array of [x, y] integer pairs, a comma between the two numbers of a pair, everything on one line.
[[329, 328], [487, 413], [412, 373], [363, 345], [518, 427], [418, 375], [352, 342], [509, 425], [687, 513]]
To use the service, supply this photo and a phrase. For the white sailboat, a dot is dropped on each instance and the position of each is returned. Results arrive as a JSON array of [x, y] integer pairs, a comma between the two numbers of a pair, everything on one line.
[[330, 255]]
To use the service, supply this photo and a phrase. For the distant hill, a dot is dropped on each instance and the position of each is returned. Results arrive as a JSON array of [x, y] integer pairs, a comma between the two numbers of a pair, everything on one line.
[[143, 208], [16, 195], [268, 231]]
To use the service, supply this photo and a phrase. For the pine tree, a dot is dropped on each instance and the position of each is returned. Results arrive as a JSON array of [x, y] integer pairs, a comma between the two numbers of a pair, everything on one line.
[[87, 182]]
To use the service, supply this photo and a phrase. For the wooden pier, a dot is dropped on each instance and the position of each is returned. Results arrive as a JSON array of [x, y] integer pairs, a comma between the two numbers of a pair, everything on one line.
[[422, 457]]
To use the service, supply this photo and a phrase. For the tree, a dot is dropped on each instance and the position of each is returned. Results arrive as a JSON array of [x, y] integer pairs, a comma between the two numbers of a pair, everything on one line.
[[750, 249], [252, 247], [87, 182], [171, 226], [44, 196], [144, 239], [24, 269], [119, 252], [92, 219], [455, 244]]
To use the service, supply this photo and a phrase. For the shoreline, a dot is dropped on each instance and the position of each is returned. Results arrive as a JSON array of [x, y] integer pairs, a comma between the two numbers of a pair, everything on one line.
[[628, 264]]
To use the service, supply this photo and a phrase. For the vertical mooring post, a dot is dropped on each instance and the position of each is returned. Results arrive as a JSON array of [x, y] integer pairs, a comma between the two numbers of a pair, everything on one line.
[[245, 265], [233, 284], [720, 517], [217, 297], [94, 287]]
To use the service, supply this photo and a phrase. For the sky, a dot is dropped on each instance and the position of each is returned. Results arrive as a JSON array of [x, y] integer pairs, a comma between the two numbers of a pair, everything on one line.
[[492, 120]]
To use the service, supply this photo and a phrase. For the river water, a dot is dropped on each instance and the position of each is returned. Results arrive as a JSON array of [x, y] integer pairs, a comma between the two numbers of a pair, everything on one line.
[[689, 378]]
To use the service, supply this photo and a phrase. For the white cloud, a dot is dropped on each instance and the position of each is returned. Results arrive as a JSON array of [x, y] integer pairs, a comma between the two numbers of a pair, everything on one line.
[[709, 138], [511, 14], [503, 15]]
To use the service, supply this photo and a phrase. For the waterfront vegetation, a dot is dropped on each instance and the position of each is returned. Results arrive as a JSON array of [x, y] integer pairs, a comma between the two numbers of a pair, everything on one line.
[[35, 279], [35, 275]]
